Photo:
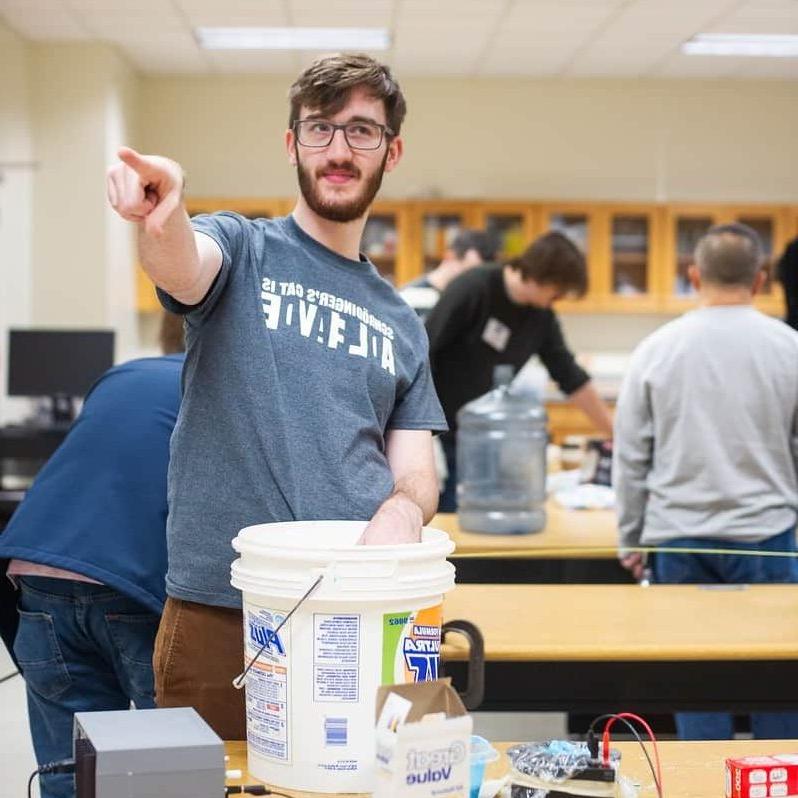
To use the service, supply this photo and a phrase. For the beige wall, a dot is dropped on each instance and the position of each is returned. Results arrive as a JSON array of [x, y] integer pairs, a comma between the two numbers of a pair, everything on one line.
[[16, 201], [590, 139], [83, 99]]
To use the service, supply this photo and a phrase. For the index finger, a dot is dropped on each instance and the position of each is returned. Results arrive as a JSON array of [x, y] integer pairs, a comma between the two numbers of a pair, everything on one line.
[[138, 163]]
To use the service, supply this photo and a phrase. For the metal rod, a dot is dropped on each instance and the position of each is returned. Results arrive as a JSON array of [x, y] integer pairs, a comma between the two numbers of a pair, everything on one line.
[[238, 682]]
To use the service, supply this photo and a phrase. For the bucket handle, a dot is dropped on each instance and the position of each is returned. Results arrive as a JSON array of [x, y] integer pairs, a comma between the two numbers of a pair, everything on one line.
[[474, 693], [239, 681]]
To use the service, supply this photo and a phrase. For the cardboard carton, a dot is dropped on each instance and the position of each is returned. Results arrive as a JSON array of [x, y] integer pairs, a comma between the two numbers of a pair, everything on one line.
[[423, 742]]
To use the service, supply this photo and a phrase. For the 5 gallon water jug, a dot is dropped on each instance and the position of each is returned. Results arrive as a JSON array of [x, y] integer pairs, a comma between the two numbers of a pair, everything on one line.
[[501, 460]]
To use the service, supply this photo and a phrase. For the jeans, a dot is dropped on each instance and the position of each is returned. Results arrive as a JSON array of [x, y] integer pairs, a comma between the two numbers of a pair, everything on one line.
[[679, 568], [448, 499], [81, 647]]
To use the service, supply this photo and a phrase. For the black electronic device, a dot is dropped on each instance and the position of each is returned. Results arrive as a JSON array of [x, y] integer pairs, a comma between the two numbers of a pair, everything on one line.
[[59, 364]]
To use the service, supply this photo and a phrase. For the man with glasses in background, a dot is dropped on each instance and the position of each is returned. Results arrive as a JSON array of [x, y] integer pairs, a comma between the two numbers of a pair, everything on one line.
[[308, 393]]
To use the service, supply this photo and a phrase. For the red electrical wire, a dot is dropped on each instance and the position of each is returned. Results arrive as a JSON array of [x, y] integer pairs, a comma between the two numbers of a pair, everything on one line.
[[605, 740]]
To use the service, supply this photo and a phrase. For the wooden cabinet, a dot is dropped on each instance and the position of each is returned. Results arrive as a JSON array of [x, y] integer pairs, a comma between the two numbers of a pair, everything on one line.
[[387, 241], [637, 254]]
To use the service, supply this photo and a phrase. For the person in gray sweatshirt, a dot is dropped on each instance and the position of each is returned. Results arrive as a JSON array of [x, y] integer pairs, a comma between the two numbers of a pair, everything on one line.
[[706, 444]]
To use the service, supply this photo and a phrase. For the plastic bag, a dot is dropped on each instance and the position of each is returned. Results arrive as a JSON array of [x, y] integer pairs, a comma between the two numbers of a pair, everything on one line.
[[553, 761]]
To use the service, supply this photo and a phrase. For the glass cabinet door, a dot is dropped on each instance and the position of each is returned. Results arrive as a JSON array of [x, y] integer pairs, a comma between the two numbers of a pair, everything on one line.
[[438, 232], [689, 230], [630, 245], [765, 226], [511, 231], [579, 224], [381, 243], [575, 226]]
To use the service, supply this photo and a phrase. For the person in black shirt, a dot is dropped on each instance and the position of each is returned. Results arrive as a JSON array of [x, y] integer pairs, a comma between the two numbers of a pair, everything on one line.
[[496, 315], [787, 271]]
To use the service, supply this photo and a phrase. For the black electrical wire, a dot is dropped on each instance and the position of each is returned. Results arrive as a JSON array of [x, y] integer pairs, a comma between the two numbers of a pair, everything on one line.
[[59, 766], [8, 676], [637, 737], [253, 789]]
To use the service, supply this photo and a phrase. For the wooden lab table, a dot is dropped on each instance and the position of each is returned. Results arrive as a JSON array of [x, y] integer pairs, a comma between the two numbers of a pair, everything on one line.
[[605, 648], [689, 770], [576, 546]]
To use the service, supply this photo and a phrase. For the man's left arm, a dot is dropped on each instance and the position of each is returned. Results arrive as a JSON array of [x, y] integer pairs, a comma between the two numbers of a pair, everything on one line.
[[593, 406], [415, 496]]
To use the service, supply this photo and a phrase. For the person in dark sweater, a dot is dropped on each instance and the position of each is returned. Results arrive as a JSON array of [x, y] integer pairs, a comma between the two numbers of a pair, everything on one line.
[[87, 552], [501, 315], [787, 271]]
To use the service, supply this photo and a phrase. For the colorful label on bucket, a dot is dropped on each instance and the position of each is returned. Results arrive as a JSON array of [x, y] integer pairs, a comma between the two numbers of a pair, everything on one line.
[[268, 684], [336, 663], [411, 645]]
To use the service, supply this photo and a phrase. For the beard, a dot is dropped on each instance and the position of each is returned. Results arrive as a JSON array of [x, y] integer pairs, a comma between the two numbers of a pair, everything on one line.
[[340, 210]]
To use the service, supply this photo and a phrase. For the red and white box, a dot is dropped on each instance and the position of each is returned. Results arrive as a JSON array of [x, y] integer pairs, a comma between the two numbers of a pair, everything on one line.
[[774, 776]]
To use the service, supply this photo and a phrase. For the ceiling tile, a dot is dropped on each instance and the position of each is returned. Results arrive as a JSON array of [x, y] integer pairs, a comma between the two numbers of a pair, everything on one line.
[[160, 7], [233, 13], [321, 17], [45, 22], [118, 25], [431, 37]]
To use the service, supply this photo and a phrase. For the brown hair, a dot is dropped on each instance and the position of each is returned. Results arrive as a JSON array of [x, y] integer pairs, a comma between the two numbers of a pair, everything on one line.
[[327, 83], [170, 335], [553, 259]]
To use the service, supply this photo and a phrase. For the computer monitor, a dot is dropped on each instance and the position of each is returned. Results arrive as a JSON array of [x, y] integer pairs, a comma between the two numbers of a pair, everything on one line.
[[61, 364]]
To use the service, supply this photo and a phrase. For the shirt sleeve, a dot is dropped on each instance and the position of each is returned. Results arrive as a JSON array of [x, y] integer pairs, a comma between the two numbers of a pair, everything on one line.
[[633, 452], [418, 406], [560, 362], [229, 231]]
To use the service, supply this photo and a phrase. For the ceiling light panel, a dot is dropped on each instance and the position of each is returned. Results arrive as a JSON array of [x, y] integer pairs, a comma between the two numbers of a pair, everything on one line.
[[293, 38], [742, 44]]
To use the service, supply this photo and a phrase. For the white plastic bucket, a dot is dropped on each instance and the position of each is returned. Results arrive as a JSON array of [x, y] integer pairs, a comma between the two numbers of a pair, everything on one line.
[[374, 619]]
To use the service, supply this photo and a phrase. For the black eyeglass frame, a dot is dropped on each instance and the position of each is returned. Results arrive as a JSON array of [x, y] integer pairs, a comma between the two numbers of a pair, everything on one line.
[[385, 132]]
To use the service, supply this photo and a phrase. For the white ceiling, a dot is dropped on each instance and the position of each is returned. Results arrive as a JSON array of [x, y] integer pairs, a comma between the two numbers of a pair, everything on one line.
[[620, 38]]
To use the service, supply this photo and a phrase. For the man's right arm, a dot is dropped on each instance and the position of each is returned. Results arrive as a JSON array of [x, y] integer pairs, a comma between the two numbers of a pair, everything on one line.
[[148, 190], [633, 451]]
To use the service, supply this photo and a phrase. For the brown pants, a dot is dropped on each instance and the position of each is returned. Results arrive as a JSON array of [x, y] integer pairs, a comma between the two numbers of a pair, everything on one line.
[[199, 650]]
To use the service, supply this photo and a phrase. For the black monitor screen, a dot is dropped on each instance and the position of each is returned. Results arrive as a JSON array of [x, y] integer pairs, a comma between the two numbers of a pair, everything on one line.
[[57, 362]]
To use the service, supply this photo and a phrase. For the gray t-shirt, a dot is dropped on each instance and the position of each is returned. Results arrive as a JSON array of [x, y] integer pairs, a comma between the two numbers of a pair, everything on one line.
[[298, 361]]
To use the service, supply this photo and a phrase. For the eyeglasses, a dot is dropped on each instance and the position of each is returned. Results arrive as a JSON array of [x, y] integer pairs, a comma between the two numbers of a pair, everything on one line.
[[358, 135]]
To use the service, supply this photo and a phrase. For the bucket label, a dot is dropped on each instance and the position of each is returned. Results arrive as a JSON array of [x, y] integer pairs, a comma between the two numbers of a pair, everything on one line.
[[268, 684], [336, 661], [411, 645]]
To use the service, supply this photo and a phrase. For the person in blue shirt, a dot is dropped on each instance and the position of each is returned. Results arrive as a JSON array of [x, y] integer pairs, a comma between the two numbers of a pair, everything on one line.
[[87, 550]]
